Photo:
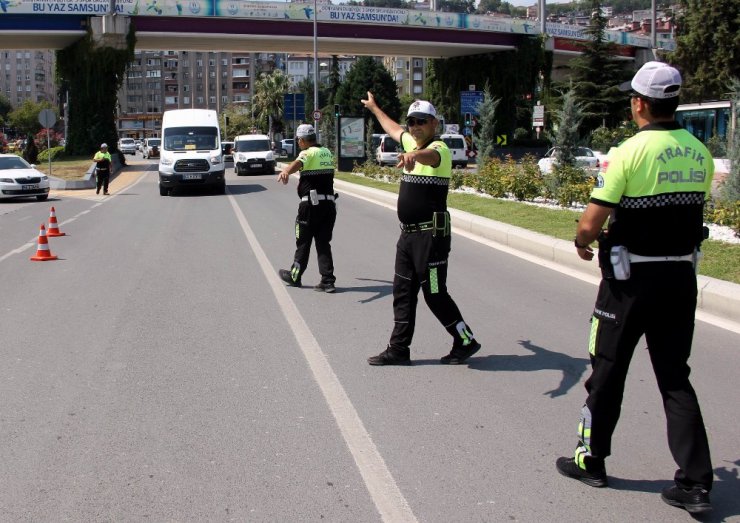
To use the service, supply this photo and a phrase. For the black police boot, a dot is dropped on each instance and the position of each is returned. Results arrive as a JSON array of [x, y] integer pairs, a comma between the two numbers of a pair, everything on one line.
[[325, 287], [596, 477], [694, 501], [460, 353], [391, 356], [287, 277]]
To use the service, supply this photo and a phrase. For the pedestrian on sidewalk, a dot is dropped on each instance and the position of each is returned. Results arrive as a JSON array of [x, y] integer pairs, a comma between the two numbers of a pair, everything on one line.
[[103, 168], [653, 192], [423, 247], [317, 210]]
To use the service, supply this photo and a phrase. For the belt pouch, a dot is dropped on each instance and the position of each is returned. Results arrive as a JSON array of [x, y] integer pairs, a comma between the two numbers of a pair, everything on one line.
[[313, 197], [441, 224], [619, 257]]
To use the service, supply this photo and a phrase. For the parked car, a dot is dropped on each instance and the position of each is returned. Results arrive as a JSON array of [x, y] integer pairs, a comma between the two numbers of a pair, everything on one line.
[[127, 146], [150, 148], [387, 152], [227, 150], [252, 153], [19, 179], [458, 149], [585, 157], [287, 147]]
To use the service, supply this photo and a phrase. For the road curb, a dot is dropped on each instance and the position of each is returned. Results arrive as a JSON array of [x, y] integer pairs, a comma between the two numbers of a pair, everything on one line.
[[718, 297]]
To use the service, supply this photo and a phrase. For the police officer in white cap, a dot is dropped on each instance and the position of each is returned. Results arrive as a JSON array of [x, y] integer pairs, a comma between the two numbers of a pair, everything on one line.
[[317, 211], [653, 194], [424, 245], [104, 163]]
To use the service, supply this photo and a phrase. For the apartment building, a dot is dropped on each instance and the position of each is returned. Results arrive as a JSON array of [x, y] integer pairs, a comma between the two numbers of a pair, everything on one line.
[[409, 73], [299, 67], [157, 81], [28, 75]]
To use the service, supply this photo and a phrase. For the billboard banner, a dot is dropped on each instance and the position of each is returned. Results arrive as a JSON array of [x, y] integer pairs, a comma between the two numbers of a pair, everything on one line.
[[55, 7], [165, 7]]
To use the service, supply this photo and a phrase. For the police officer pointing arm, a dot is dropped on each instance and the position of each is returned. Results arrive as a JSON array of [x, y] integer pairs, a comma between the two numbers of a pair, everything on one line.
[[423, 247], [652, 193]]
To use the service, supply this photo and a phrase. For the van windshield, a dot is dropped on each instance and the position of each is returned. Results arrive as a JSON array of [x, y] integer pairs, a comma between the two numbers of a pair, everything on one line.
[[190, 138], [154, 142], [251, 146]]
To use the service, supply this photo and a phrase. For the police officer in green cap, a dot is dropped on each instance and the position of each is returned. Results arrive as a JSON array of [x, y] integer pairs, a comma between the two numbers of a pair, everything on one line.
[[653, 194], [317, 211]]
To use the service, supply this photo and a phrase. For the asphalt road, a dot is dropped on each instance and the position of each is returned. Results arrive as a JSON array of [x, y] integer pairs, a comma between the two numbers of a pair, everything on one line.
[[160, 371]]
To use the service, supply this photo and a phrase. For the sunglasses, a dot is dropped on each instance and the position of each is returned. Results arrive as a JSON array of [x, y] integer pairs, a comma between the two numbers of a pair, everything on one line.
[[416, 121]]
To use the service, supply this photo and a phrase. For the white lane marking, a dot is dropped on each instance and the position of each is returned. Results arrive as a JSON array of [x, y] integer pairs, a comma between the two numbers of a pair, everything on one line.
[[383, 489], [33, 242]]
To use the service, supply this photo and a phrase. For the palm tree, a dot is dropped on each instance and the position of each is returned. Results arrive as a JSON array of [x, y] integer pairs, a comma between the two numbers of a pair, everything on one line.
[[269, 92]]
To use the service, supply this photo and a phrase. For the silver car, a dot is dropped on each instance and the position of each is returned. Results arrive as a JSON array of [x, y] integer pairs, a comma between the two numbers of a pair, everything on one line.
[[585, 158], [19, 179], [127, 146]]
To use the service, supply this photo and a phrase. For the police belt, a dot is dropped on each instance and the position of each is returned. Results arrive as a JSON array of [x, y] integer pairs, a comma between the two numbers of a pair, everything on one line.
[[329, 197], [416, 227], [636, 258]]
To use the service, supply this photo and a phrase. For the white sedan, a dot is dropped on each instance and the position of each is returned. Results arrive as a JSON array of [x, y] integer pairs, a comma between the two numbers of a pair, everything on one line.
[[585, 157], [19, 179]]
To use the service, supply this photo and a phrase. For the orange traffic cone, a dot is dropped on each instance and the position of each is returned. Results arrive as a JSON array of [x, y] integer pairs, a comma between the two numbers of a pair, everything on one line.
[[53, 225], [43, 253]]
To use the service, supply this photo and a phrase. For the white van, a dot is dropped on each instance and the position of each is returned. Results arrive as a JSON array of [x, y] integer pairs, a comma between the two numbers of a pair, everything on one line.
[[190, 155], [458, 149], [252, 153]]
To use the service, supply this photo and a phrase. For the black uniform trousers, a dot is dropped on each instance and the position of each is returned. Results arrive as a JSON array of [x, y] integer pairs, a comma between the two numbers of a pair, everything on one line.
[[659, 301], [421, 262], [102, 178], [315, 223]]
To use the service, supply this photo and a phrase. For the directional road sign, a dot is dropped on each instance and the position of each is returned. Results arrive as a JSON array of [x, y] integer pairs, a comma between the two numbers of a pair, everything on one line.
[[469, 101], [294, 106]]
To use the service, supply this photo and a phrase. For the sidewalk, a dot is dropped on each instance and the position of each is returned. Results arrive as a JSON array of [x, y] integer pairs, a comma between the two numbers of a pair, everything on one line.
[[716, 297]]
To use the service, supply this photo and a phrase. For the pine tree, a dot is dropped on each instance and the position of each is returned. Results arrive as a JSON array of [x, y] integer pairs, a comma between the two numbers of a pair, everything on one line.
[[485, 138], [597, 75], [731, 187], [567, 139], [707, 48]]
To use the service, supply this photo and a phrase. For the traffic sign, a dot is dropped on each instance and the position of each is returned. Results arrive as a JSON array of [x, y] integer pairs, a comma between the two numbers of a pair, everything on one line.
[[294, 106], [469, 101], [501, 139], [538, 116], [316, 115], [47, 118]]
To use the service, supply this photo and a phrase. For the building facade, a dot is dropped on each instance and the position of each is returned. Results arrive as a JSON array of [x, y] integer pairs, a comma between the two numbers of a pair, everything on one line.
[[28, 75]]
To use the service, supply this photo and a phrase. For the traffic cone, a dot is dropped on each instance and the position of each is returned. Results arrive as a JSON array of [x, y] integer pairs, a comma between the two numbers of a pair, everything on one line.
[[43, 253], [53, 225]]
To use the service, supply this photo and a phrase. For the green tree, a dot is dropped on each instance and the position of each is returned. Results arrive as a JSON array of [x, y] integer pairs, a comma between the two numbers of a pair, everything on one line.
[[456, 6], [731, 187], [240, 120], [567, 137], [707, 48], [597, 75], [5, 108], [26, 117], [484, 138], [92, 76], [269, 93], [367, 74]]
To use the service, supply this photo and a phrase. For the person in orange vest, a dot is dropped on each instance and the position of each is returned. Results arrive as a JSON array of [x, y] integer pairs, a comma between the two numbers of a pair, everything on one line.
[[104, 163]]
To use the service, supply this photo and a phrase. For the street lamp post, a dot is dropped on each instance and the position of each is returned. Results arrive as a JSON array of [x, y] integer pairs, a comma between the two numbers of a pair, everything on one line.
[[315, 65]]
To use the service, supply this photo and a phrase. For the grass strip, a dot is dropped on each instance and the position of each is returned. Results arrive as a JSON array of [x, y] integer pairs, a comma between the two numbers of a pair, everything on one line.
[[721, 260]]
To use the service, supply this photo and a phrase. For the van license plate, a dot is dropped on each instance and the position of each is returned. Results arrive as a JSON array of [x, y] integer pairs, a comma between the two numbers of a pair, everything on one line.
[[30, 187], [256, 165], [191, 176]]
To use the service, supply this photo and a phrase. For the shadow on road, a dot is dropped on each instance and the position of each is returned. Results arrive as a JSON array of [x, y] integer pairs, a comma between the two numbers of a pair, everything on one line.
[[541, 359], [377, 291], [245, 188]]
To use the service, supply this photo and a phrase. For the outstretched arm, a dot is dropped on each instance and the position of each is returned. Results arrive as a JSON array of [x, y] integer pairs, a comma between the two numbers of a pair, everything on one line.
[[385, 121]]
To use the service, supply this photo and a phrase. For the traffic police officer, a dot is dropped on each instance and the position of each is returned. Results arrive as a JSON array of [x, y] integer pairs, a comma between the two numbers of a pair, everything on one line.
[[317, 211], [424, 245], [653, 193], [102, 172]]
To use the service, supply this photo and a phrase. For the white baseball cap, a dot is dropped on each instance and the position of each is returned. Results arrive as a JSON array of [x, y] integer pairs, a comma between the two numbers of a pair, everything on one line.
[[102, 145], [422, 109], [304, 130], [656, 80]]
